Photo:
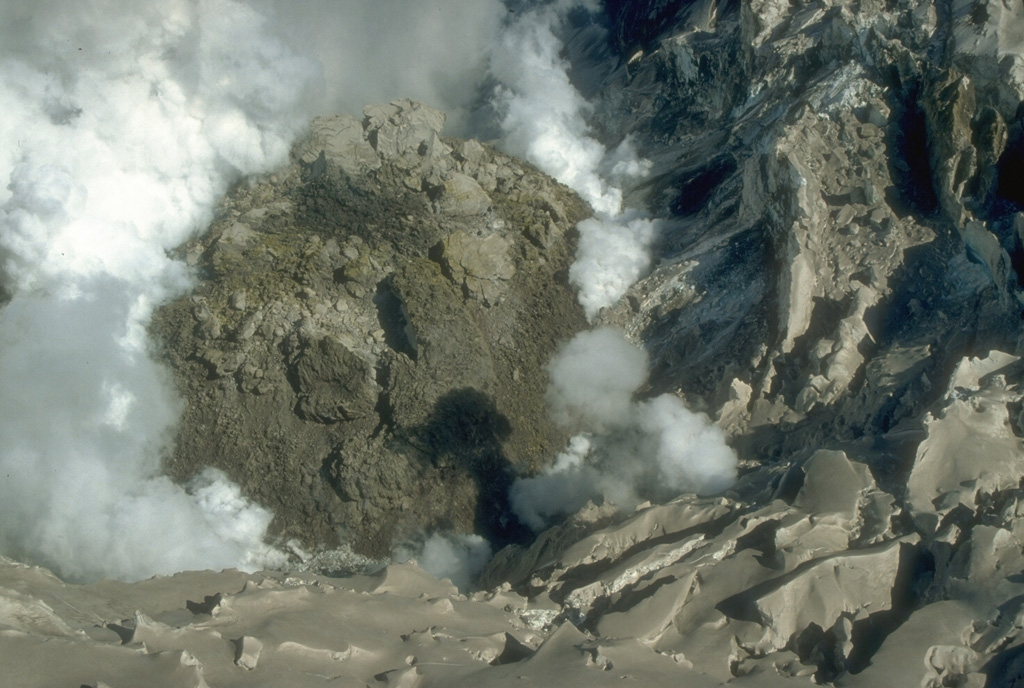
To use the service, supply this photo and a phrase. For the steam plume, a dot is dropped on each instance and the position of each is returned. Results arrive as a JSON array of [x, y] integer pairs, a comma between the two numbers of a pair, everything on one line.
[[374, 51], [124, 123], [627, 450], [456, 556], [593, 378], [544, 119]]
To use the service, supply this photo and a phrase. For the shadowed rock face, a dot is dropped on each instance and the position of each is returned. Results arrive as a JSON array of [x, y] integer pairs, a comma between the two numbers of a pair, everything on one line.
[[840, 288], [351, 301], [835, 175]]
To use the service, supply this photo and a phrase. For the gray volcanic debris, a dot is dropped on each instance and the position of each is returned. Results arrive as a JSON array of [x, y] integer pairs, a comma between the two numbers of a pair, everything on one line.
[[376, 346], [364, 349]]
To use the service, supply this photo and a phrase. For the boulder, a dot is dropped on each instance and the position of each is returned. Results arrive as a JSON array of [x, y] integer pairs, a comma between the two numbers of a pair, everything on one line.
[[407, 134], [460, 195], [340, 140], [482, 265], [333, 382]]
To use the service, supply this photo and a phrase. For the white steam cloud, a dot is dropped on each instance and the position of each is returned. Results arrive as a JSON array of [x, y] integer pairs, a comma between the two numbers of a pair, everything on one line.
[[562, 488], [458, 557], [592, 380], [544, 119], [124, 123], [378, 51], [628, 449]]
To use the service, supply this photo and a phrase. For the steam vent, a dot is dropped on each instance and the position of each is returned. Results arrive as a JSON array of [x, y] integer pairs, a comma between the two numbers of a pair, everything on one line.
[[512, 342]]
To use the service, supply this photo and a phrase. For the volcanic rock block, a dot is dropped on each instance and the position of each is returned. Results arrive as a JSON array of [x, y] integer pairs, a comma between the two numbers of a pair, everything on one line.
[[407, 134], [333, 382], [460, 195], [481, 264], [949, 104], [841, 495], [341, 140]]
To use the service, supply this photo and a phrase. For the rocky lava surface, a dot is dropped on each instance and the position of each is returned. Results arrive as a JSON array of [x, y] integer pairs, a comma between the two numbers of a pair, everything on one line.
[[364, 353]]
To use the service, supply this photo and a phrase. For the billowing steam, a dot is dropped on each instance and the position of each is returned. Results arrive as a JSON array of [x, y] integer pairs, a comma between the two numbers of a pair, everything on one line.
[[592, 380], [544, 119], [459, 557], [124, 123], [381, 50], [628, 450]]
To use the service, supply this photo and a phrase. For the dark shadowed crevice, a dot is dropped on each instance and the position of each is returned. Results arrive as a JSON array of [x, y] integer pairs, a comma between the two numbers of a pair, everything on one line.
[[818, 647], [1016, 253], [762, 538], [910, 166], [384, 409], [789, 484], [681, 335], [696, 187], [392, 320], [1010, 187], [1006, 669], [641, 24]]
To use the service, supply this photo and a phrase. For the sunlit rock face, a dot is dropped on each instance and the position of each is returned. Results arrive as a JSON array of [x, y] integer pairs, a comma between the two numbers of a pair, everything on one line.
[[804, 244]]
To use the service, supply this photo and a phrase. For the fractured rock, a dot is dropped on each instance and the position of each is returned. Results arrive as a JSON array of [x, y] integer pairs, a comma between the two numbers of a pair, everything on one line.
[[407, 134], [333, 382], [460, 195], [341, 140], [482, 265]]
